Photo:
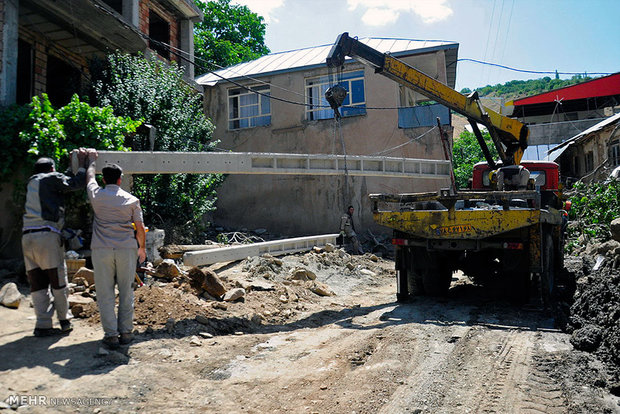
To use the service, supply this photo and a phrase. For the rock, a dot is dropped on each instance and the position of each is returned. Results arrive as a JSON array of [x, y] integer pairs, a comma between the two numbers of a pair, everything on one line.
[[615, 229], [283, 299], [205, 335], [234, 294], [86, 274], [587, 338], [195, 341], [79, 300], [350, 266], [317, 249], [219, 305], [10, 296], [102, 351], [374, 257], [80, 282], [302, 274], [329, 248], [260, 231], [256, 285], [167, 269], [202, 320], [77, 311], [170, 325], [213, 284], [343, 255], [321, 289], [368, 272]]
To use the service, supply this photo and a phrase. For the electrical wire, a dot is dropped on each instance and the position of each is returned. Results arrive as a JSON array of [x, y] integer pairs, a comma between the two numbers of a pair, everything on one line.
[[529, 71]]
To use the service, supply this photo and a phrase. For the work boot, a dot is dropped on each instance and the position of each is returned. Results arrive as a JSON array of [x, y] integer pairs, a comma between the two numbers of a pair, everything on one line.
[[110, 342], [65, 326], [126, 338], [41, 332]]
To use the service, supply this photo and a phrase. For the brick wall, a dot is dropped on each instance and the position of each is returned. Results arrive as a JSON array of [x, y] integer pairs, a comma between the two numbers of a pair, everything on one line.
[[145, 7]]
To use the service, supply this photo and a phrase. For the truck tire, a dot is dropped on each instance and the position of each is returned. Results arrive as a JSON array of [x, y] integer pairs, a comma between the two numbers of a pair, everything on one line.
[[547, 277], [436, 276], [402, 278]]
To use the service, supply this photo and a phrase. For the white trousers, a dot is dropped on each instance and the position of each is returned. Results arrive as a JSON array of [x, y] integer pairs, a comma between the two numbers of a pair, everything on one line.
[[107, 264]]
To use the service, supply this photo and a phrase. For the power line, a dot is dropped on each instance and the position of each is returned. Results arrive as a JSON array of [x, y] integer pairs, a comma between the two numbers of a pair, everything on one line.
[[529, 71]]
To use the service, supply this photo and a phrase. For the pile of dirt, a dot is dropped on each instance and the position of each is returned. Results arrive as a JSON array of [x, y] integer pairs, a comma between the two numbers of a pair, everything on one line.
[[276, 291], [594, 320]]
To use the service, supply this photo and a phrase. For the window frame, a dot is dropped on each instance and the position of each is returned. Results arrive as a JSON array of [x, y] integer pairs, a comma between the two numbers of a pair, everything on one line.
[[263, 100], [317, 111]]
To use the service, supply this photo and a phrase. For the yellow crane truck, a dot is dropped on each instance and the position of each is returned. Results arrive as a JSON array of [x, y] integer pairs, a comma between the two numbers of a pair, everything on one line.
[[508, 226]]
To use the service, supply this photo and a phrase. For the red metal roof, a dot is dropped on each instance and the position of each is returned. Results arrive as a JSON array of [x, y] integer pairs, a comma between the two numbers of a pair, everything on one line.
[[605, 86]]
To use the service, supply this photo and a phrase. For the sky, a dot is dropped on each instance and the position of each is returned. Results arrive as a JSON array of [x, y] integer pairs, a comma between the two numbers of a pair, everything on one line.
[[571, 36]]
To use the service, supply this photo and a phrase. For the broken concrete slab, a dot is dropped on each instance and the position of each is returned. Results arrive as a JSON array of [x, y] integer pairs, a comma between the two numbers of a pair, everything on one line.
[[234, 294], [274, 248]]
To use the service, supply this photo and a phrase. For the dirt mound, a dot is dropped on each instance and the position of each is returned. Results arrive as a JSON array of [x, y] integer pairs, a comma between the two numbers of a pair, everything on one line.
[[595, 312], [278, 291]]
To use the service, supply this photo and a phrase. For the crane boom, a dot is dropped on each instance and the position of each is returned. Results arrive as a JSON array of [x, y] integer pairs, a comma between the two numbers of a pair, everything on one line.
[[509, 135]]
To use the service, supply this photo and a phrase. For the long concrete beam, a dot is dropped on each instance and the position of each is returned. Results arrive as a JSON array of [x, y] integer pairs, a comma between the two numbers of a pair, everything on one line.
[[138, 162], [240, 252]]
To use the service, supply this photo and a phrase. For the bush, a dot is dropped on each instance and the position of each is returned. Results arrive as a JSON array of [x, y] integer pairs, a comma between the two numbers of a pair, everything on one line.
[[39, 130], [594, 207], [466, 153], [156, 92]]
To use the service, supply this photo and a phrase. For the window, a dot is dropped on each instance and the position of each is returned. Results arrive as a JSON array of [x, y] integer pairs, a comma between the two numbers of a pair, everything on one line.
[[25, 72], [354, 103], [159, 30], [66, 81], [249, 109], [117, 5]]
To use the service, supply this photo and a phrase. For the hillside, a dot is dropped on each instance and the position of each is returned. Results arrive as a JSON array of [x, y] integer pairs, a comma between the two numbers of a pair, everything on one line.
[[494, 96]]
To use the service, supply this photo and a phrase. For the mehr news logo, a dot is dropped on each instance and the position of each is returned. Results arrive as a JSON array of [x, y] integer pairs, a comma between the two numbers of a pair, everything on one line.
[[43, 400]]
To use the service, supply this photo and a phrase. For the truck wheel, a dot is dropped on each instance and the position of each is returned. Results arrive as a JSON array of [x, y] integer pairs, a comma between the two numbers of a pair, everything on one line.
[[402, 282], [547, 278], [436, 277]]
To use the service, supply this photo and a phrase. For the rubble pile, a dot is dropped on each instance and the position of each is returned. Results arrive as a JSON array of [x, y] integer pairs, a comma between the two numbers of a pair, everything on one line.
[[594, 320], [263, 290]]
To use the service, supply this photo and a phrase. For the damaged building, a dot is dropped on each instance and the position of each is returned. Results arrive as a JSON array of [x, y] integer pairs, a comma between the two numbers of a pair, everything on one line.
[[285, 111]]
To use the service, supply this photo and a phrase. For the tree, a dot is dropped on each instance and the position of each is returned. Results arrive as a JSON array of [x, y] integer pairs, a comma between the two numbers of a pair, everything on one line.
[[155, 92], [466, 153], [229, 34]]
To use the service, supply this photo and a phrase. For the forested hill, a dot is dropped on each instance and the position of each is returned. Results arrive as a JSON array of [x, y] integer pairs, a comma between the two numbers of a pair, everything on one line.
[[517, 89]]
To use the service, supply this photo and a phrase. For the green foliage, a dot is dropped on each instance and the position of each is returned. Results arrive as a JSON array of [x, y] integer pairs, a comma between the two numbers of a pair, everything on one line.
[[39, 130], [521, 88], [466, 153], [156, 92], [14, 150], [229, 34], [594, 207]]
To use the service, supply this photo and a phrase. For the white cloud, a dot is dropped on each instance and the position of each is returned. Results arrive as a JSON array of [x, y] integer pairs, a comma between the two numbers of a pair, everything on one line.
[[263, 8], [383, 12]]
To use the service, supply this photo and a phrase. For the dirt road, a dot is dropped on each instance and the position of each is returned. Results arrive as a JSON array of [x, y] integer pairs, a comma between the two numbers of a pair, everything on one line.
[[356, 352]]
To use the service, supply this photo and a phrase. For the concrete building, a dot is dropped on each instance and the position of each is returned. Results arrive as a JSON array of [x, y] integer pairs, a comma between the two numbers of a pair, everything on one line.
[[557, 115], [286, 112], [590, 155], [45, 45]]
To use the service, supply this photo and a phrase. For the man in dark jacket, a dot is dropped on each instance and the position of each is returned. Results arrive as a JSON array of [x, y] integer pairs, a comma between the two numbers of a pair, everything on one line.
[[347, 229], [42, 242]]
